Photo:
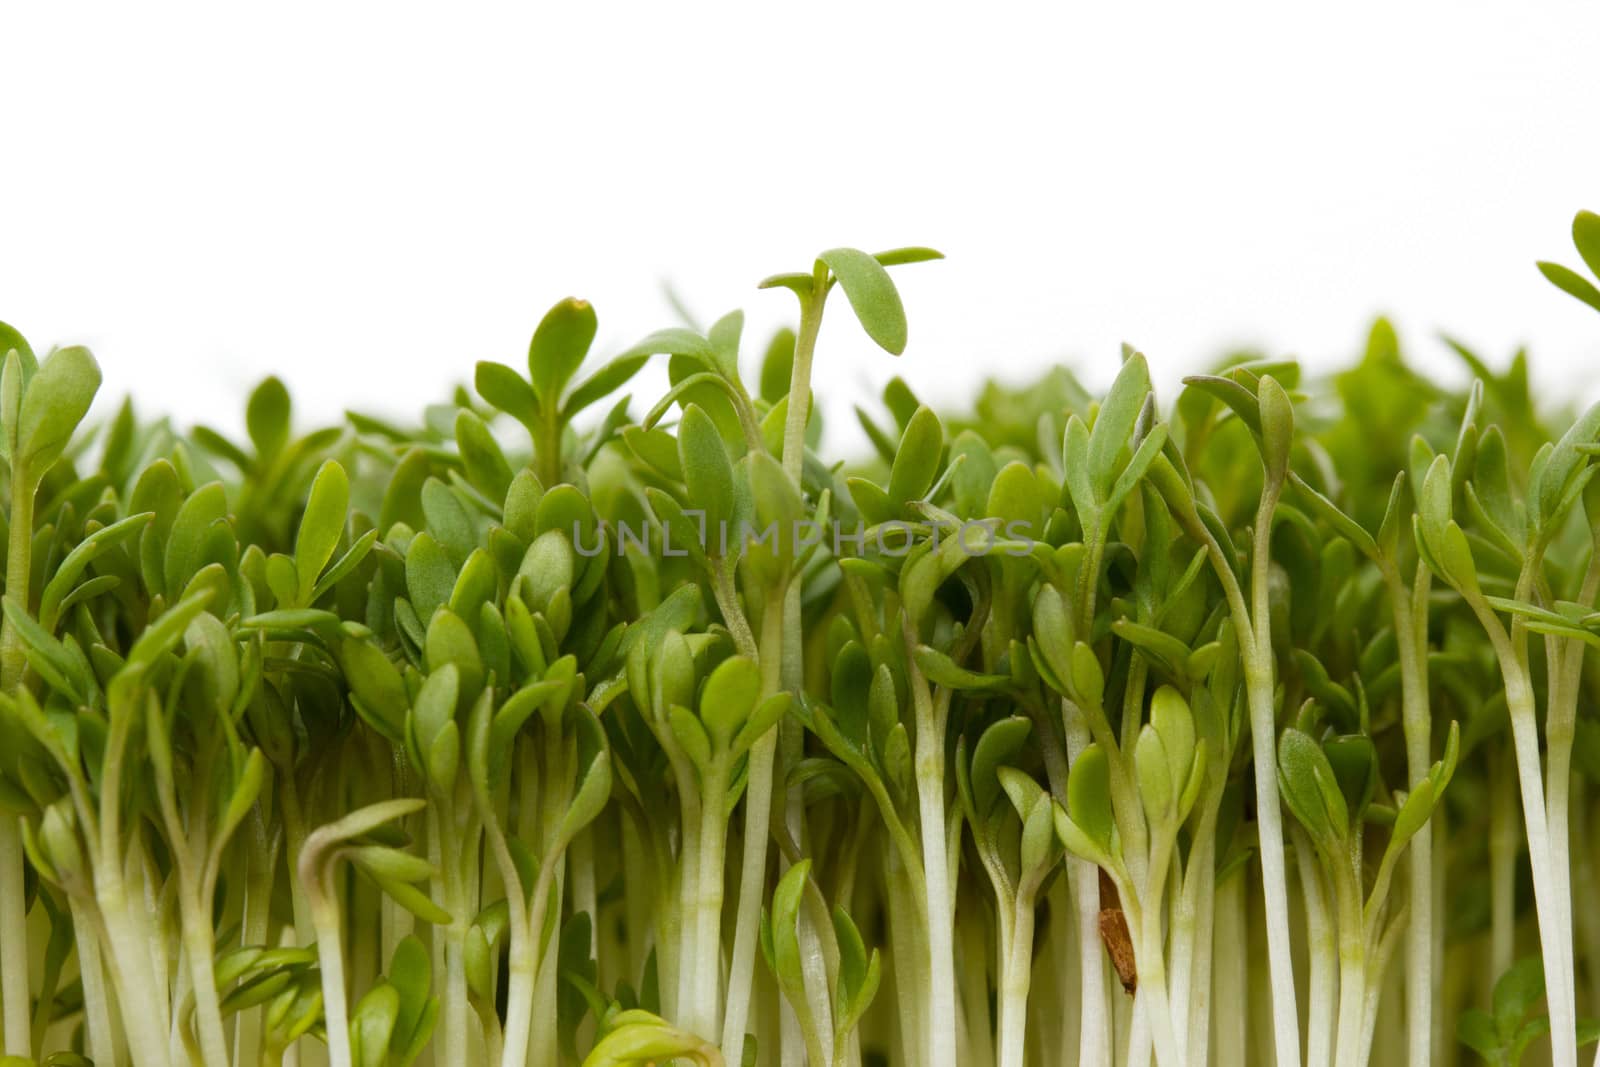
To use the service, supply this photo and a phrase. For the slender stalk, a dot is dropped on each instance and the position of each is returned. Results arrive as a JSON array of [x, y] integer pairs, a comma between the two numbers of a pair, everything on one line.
[[1351, 1041], [1198, 1038], [1378, 965], [1410, 611], [799, 407], [791, 749], [294, 837], [143, 1019], [1152, 956], [522, 961], [1557, 954], [13, 899], [1191, 968], [585, 893], [1016, 976], [1083, 878], [1233, 989], [1502, 862], [558, 784], [978, 1039], [199, 946], [906, 923], [930, 777], [455, 1012], [1190, 989], [14, 937], [1588, 922], [763, 755], [330, 958], [255, 924], [1137, 1028], [1561, 717], [1058, 1040], [693, 824], [97, 1026], [1253, 623], [1323, 948], [1260, 694], [549, 450], [753, 870], [702, 1012], [19, 570]]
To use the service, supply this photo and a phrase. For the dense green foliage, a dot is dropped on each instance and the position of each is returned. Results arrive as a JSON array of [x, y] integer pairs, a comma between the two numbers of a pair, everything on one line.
[[1064, 729]]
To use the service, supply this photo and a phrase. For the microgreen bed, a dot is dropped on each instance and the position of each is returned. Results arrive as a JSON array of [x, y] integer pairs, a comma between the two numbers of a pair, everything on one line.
[[559, 728]]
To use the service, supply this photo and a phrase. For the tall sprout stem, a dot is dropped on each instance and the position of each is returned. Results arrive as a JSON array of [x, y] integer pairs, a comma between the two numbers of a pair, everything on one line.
[[330, 958], [143, 1019], [200, 948], [1323, 949], [930, 778], [753, 870], [706, 966], [13, 898], [1561, 719], [1260, 695], [1555, 949], [763, 754], [1410, 611], [1016, 975], [1502, 862], [1198, 1037], [256, 920], [99, 1033], [1083, 879], [1353, 984], [799, 404], [1190, 980], [1557, 954], [1231, 967], [1147, 919]]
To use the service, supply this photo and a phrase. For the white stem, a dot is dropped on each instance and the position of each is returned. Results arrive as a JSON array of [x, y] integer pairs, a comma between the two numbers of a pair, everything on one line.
[[1151, 952], [199, 948], [1083, 879], [1233, 988], [752, 877], [330, 958], [1557, 953], [1198, 1037], [1409, 607], [14, 940], [97, 1026], [909, 961], [941, 992], [585, 893], [1139, 1046], [1352, 1002], [702, 1011], [144, 1019], [1323, 948], [543, 1050], [979, 1040], [1198, 875], [1016, 975], [1269, 827], [757, 829], [1260, 689]]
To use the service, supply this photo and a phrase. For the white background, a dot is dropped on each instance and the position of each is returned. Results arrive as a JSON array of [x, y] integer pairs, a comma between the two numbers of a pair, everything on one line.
[[366, 198]]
